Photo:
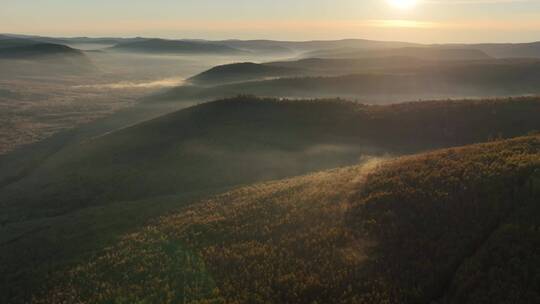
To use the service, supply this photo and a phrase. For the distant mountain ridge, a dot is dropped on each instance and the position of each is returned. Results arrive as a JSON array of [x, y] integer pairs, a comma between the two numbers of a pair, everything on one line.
[[496, 50], [249, 71], [465, 79], [162, 46], [8, 42], [304, 46], [38, 50], [426, 53]]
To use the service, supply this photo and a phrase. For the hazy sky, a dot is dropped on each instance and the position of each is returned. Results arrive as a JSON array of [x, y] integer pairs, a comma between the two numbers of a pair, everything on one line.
[[426, 21]]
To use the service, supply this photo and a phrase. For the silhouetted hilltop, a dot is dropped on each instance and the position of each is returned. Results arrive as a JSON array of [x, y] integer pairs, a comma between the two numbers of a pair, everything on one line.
[[239, 72], [9, 42], [218, 136], [244, 72], [330, 48], [44, 60], [38, 50]]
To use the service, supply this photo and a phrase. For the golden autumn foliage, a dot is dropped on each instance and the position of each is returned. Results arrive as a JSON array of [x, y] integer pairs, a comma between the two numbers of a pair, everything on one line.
[[418, 229]]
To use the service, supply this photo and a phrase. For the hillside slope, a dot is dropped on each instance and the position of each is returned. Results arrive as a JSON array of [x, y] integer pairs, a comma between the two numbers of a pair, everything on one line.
[[128, 176], [248, 136], [411, 230]]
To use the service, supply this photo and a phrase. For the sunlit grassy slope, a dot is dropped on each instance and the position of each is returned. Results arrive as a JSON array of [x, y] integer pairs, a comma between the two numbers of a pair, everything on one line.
[[453, 226]]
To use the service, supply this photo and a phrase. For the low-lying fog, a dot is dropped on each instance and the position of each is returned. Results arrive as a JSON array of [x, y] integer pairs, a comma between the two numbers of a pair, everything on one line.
[[40, 97]]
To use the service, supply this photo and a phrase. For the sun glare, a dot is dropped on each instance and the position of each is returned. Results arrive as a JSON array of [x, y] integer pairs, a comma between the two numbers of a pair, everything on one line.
[[402, 4]]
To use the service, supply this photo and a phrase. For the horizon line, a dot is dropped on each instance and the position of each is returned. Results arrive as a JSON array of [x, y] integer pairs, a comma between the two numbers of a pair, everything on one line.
[[27, 35]]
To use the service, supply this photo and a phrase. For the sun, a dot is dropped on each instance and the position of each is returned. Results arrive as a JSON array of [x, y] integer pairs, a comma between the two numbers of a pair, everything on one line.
[[403, 4]]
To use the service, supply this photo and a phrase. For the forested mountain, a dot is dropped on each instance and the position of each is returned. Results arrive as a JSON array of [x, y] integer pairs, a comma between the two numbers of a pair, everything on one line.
[[452, 226], [208, 149]]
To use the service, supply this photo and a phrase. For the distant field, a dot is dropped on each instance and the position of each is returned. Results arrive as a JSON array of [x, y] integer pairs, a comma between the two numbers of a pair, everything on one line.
[[36, 103], [33, 109]]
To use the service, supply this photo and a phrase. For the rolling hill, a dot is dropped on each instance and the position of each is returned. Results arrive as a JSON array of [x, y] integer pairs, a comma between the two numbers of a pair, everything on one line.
[[248, 71], [38, 50], [340, 48], [397, 65], [429, 81], [453, 226], [9, 42], [133, 174], [240, 72], [329, 66], [162, 46], [43, 60], [199, 139]]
